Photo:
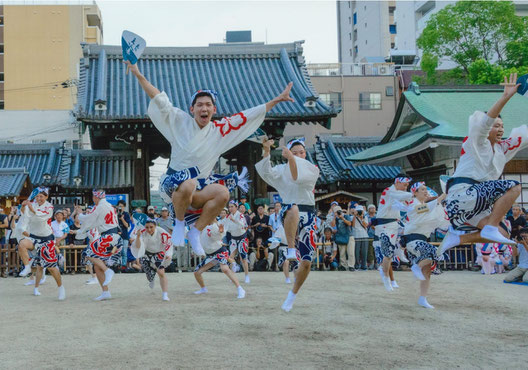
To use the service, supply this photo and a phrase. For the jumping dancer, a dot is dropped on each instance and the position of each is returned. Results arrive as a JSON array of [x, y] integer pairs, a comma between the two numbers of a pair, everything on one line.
[[196, 145], [295, 182], [476, 198], [235, 224]]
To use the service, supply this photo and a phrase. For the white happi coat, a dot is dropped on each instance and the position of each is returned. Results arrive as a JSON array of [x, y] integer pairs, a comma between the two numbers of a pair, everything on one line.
[[388, 207], [38, 223], [211, 238], [478, 160], [300, 191], [424, 218], [235, 224], [102, 217], [192, 146], [160, 241]]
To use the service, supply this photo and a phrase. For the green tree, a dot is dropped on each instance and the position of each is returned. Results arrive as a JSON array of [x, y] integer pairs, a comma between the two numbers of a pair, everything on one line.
[[472, 30]]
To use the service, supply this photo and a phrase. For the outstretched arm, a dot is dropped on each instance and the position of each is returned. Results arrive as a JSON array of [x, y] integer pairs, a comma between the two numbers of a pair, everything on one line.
[[510, 88], [286, 153], [284, 96], [145, 84]]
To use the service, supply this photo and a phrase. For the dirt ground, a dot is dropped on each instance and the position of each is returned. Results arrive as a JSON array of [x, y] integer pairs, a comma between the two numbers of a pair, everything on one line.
[[340, 320]]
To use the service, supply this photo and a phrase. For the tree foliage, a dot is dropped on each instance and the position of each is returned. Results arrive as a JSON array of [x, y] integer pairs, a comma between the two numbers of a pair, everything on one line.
[[469, 31]]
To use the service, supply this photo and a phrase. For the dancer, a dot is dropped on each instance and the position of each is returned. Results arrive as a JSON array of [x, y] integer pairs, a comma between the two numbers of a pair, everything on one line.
[[295, 182], [280, 241], [185, 183], [104, 251], [153, 248], [386, 223], [476, 199], [423, 217], [38, 236], [211, 240], [235, 224]]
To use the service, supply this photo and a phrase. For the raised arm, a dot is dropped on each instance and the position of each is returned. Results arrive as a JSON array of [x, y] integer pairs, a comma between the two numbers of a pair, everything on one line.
[[283, 96], [292, 163], [510, 88], [263, 167], [143, 82]]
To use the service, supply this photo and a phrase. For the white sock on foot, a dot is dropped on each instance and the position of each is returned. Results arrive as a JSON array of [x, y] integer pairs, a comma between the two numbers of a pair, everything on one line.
[[492, 233], [288, 281], [417, 271], [31, 282], [288, 303], [201, 291], [165, 296], [103, 296], [25, 271], [387, 283], [247, 279], [194, 238], [178, 233], [422, 301], [109, 274], [450, 240], [241, 292], [292, 254], [36, 291], [62, 293], [394, 284], [380, 269]]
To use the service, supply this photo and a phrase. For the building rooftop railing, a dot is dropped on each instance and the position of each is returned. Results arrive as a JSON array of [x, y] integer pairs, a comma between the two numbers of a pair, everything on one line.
[[355, 69]]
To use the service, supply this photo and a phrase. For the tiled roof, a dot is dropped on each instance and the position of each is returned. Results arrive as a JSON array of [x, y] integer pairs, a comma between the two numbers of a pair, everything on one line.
[[439, 116], [244, 75], [95, 168], [330, 155], [12, 181]]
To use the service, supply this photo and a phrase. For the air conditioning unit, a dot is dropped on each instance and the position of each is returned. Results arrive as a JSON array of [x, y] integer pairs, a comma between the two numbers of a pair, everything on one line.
[[383, 70]]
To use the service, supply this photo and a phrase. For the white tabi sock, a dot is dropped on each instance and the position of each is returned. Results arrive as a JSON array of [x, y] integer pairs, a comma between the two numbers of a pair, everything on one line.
[[288, 280], [450, 240], [247, 279], [422, 301], [62, 293], [417, 271], [26, 270], [194, 238], [109, 274], [492, 233], [36, 291], [394, 284], [103, 296], [165, 296], [201, 291], [241, 292], [178, 233], [288, 303]]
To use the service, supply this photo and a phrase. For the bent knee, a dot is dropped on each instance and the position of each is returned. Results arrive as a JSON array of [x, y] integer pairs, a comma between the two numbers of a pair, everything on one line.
[[516, 189], [187, 187]]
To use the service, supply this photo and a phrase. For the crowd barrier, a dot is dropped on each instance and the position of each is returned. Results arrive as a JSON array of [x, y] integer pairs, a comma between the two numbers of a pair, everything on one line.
[[460, 258]]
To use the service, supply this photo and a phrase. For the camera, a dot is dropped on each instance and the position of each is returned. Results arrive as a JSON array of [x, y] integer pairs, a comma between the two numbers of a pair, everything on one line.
[[339, 213], [360, 212]]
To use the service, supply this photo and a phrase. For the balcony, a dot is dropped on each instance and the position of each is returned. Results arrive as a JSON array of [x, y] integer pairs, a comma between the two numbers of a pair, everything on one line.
[[351, 69], [92, 35]]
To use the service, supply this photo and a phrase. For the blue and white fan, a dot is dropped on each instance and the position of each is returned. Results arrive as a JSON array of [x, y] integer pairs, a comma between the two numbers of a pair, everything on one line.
[[133, 46], [523, 89]]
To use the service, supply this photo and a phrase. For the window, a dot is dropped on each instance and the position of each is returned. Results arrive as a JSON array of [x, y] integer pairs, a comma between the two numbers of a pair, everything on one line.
[[356, 49], [366, 42], [1, 76], [389, 91], [349, 20], [369, 101], [365, 24], [1, 105], [391, 10], [350, 52], [355, 18], [350, 35], [393, 45], [1, 20], [1, 48], [392, 29], [331, 99]]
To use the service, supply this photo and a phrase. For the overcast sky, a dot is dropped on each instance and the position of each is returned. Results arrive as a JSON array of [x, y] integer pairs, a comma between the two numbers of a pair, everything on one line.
[[198, 23]]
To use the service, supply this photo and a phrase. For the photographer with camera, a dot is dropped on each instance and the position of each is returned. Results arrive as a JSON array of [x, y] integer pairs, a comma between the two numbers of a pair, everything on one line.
[[520, 273], [344, 238], [361, 237], [124, 223]]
